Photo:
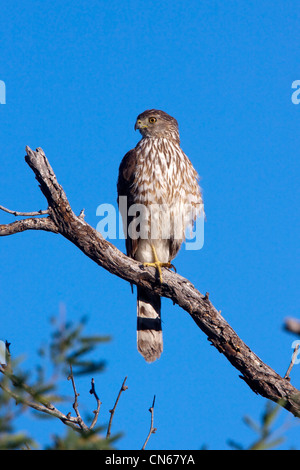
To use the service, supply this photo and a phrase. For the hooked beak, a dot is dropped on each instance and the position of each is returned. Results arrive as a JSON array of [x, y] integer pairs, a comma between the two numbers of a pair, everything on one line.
[[139, 125]]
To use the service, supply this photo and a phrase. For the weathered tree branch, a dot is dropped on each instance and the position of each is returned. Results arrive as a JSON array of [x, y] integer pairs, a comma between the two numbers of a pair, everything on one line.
[[46, 224], [261, 378]]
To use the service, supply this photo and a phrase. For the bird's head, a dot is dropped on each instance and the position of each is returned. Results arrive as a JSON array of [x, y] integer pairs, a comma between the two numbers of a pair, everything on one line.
[[156, 123]]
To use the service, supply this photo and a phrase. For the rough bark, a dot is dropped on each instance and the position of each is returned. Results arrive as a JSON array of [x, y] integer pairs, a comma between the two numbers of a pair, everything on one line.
[[261, 378]]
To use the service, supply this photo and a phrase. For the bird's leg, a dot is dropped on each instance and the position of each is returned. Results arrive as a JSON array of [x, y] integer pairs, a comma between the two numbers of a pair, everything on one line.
[[158, 264]]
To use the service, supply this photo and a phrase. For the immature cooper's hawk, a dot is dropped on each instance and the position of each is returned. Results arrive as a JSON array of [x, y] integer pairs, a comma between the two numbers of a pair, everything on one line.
[[162, 198]]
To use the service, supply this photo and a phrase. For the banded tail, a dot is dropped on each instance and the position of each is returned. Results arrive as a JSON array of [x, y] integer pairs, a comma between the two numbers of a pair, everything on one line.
[[149, 332]]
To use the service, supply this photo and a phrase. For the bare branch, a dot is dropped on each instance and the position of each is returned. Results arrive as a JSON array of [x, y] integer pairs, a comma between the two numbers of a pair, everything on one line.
[[80, 422], [43, 407], [292, 362], [26, 214], [28, 224], [40, 404], [112, 412], [99, 403], [261, 378], [152, 428]]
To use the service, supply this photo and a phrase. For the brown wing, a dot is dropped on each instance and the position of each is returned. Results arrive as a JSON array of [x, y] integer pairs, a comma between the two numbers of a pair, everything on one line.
[[125, 188]]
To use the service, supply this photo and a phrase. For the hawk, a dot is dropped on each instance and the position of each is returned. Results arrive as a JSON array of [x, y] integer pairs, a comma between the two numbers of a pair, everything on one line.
[[159, 198]]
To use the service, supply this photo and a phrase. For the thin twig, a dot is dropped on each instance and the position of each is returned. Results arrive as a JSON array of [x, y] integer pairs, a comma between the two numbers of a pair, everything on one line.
[[25, 214], [292, 362], [81, 215], [75, 404], [112, 411], [152, 428], [99, 403], [47, 408], [40, 403]]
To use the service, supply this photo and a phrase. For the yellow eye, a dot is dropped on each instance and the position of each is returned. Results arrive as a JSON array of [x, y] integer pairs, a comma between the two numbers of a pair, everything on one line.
[[152, 120]]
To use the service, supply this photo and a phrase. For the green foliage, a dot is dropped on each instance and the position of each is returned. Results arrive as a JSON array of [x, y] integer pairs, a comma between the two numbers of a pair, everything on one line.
[[267, 438], [68, 346], [89, 441], [9, 438]]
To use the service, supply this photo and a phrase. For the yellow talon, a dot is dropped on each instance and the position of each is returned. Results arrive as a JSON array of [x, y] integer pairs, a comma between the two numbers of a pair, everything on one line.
[[158, 264]]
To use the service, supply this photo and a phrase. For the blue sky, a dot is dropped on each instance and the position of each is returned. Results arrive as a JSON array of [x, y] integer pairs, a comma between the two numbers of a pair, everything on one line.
[[77, 74]]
